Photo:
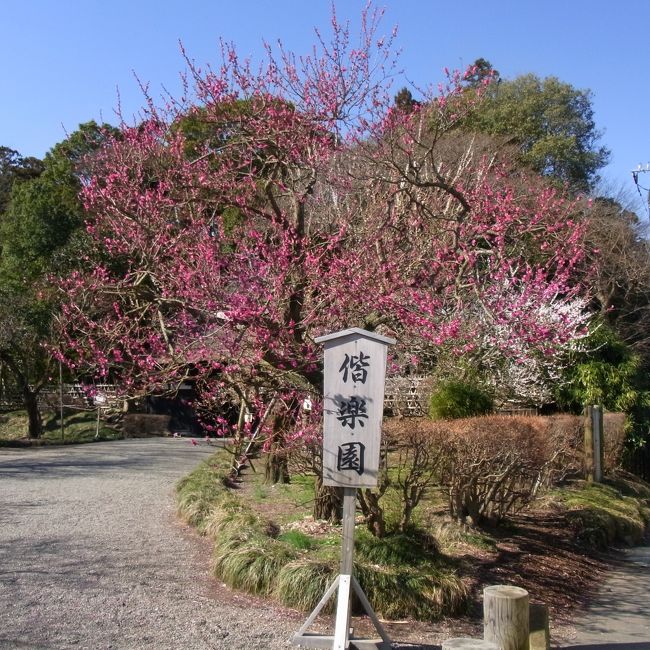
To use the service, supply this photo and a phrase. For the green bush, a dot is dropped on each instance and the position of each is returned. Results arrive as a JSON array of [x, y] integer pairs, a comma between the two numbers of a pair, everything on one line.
[[608, 372], [456, 399]]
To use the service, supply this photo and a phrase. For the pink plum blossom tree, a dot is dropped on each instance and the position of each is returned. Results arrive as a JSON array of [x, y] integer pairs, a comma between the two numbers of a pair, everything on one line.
[[271, 205]]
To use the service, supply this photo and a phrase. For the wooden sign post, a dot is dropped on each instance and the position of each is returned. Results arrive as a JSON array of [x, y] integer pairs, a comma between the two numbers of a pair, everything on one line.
[[355, 369]]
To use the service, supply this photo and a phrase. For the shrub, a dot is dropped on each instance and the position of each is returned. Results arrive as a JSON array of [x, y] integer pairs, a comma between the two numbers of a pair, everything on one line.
[[497, 464], [489, 466], [615, 429], [417, 460], [494, 466], [456, 399], [564, 440]]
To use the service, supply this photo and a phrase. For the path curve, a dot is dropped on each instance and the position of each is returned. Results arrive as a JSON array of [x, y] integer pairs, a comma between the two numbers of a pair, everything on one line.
[[92, 555], [618, 617]]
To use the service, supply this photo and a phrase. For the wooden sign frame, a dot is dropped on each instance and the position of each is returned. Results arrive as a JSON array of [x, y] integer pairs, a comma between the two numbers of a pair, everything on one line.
[[353, 406]]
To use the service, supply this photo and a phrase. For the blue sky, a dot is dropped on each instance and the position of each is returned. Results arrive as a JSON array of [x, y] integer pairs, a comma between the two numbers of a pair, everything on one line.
[[64, 60]]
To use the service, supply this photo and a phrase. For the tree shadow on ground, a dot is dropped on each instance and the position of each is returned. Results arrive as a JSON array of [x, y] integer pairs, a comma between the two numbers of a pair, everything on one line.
[[538, 552]]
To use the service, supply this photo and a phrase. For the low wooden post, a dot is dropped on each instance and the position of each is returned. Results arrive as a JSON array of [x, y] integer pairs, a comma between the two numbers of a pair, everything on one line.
[[597, 415], [463, 643], [594, 443], [506, 617]]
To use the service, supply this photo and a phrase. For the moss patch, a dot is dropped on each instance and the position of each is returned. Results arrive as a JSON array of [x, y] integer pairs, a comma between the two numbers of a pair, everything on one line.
[[601, 515]]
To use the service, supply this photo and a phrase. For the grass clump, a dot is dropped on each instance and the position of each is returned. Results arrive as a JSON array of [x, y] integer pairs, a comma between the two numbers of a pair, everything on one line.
[[298, 539], [403, 575], [302, 583], [250, 562], [397, 549], [450, 536], [13, 426], [200, 492]]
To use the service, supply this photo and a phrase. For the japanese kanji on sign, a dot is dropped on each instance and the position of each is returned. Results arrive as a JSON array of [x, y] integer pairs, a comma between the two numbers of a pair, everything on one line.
[[355, 368]]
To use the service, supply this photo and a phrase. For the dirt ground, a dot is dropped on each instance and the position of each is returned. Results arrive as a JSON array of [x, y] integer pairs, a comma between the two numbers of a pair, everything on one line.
[[537, 553]]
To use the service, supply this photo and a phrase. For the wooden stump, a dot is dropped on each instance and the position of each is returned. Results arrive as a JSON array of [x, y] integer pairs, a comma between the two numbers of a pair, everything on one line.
[[505, 617], [462, 643]]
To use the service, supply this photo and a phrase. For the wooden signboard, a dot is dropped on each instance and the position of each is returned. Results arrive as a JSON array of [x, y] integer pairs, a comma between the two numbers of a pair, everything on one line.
[[353, 405], [355, 369]]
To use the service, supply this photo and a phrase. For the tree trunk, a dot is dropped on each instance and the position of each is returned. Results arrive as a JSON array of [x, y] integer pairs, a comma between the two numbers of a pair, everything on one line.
[[373, 512], [328, 503], [276, 469], [277, 463], [34, 415], [30, 395], [405, 519]]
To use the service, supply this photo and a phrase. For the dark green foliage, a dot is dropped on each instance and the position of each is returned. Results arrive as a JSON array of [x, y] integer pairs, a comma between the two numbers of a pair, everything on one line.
[[40, 233], [15, 169], [404, 100], [608, 373], [456, 399], [482, 70], [41, 216], [44, 212], [551, 121]]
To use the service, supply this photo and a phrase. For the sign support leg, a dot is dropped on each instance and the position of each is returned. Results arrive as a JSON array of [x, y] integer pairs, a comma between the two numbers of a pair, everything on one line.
[[343, 635]]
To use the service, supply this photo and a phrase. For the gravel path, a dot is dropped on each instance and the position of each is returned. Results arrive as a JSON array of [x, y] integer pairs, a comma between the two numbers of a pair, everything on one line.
[[92, 556]]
